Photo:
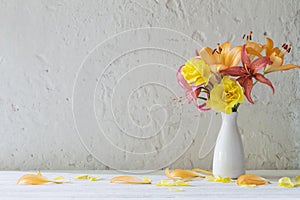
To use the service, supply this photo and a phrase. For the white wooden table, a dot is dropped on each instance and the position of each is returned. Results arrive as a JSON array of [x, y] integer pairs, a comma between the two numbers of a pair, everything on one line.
[[199, 189]]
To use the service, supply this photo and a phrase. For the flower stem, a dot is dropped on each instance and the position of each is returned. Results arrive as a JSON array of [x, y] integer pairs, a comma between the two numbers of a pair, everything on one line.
[[235, 107]]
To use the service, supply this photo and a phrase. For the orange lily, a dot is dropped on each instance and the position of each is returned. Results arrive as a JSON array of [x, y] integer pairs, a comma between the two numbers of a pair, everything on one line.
[[254, 49], [248, 71], [222, 58], [277, 57]]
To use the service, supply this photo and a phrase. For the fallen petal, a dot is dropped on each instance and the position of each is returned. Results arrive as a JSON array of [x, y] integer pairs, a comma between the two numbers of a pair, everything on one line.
[[59, 178], [202, 171], [88, 177], [172, 183], [248, 186], [297, 179], [82, 177], [251, 179], [35, 179], [181, 174], [285, 182], [92, 178], [210, 179], [219, 179], [175, 190], [130, 180]]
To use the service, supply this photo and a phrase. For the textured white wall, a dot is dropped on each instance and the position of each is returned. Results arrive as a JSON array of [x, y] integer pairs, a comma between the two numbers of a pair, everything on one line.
[[55, 53]]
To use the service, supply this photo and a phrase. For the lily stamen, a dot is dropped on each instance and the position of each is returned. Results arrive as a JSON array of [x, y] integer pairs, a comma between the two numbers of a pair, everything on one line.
[[248, 37], [217, 50], [286, 49]]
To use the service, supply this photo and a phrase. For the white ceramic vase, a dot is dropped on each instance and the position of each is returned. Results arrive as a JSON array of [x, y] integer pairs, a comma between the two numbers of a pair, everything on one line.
[[229, 158]]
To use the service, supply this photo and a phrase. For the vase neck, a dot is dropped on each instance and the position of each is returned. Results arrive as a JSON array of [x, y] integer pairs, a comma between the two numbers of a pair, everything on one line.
[[230, 118]]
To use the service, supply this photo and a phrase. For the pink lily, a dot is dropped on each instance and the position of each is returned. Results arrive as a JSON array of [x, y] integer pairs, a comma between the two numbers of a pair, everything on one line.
[[248, 71], [192, 92]]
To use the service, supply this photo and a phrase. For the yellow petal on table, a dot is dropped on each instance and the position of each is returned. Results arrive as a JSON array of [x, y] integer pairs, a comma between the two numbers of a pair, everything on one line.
[[92, 178], [172, 183], [285, 182], [36, 179], [59, 178], [210, 178], [82, 177], [297, 179], [175, 190], [181, 174], [130, 180], [248, 186], [88, 177], [219, 179], [226, 179], [251, 179]]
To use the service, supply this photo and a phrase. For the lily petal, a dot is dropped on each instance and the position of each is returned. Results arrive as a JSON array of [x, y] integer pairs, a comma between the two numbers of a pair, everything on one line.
[[247, 83], [254, 49], [269, 46], [264, 80], [260, 63], [281, 68], [181, 174], [245, 58], [130, 180], [233, 57], [251, 179], [202, 171], [226, 47], [207, 55], [36, 179], [253, 52], [234, 71]]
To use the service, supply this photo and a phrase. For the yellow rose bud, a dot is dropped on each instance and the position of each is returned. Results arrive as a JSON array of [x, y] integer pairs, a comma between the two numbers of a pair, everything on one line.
[[196, 71], [225, 95]]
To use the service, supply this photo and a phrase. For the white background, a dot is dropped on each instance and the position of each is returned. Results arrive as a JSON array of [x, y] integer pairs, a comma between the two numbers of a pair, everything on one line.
[[44, 44]]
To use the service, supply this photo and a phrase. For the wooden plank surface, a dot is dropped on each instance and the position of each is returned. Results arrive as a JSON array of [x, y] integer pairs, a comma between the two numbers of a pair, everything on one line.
[[199, 189]]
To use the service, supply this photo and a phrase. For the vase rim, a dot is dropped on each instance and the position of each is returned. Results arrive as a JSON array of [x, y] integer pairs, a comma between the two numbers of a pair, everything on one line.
[[233, 113]]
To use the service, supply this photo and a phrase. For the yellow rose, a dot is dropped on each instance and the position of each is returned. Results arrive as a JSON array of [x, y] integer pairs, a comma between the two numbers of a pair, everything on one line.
[[225, 95], [196, 71]]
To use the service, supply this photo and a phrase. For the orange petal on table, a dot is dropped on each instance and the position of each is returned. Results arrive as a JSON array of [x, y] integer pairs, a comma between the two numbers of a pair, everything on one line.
[[251, 179], [181, 174], [130, 180], [35, 179], [203, 171]]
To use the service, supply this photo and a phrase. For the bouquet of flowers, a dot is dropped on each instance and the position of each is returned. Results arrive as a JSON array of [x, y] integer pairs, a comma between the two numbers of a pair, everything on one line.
[[215, 79]]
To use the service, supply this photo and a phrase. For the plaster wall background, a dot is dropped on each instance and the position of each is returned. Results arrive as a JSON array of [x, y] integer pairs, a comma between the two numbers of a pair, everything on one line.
[[77, 92]]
